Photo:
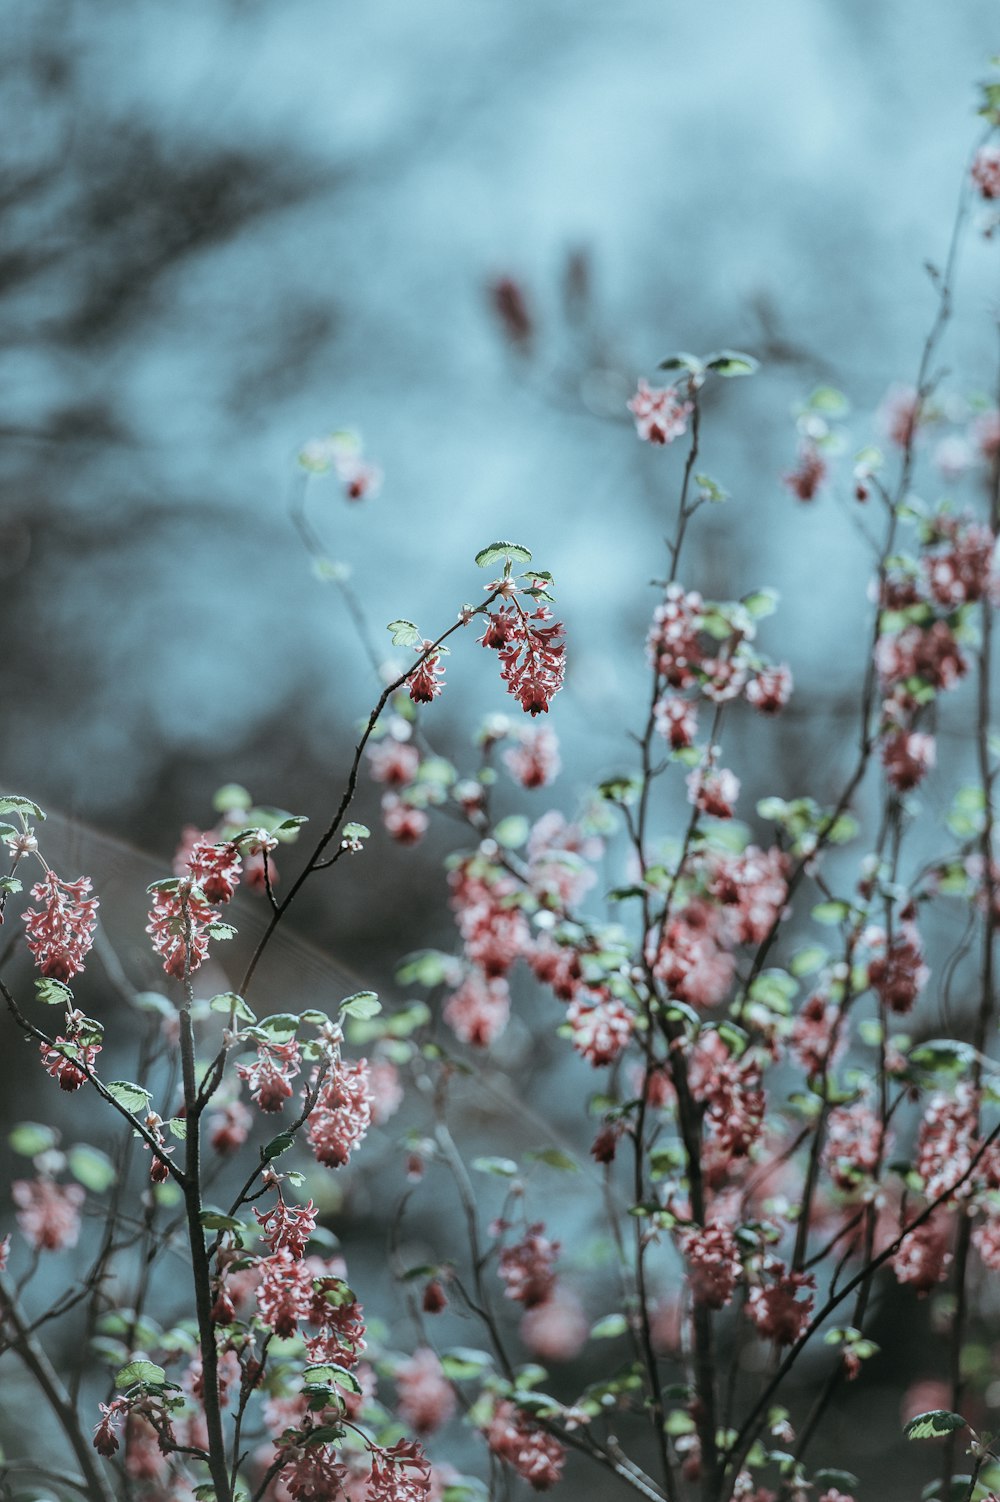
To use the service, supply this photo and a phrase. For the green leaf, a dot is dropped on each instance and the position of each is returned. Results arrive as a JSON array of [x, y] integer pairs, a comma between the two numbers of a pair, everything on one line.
[[512, 552], [609, 1328], [330, 1375], [405, 634], [140, 1374], [132, 1097], [362, 1004], [682, 361], [512, 832], [11, 885], [29, 1138], [462, 1362], [220, 931], [280, 1026], [839, 1480], [831, 913], [91, 1168], [829, 402], [762, 603], [230, 798], [294, 821], [356, 832], [731, 362], [935, 1422], [10, 803], [218, 1220], [554, 1157], [503, 1168], [54, 993], [427, 967], [807, 961], [230, 1002], [277, 1146]]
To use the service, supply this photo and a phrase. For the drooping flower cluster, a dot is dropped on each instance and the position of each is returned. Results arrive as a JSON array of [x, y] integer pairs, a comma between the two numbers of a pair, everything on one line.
[[48, 1213], [532, 652], [425, 1397], [342, 1114], [781, 1309], [713, 1264], [78, 1045], [180, 921], [534, 760], [60, 931], [660, 413], [527, 1268], [985, 171], [536, 1456], [270, 1075]]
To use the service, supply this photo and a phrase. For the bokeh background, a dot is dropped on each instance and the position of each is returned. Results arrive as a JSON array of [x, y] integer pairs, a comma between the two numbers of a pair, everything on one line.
[[230, 226]]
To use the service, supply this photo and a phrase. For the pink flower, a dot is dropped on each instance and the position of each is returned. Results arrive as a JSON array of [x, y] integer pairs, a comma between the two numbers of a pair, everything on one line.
[[713, 791], [813, 1032], [778, 1311], [425, 682], [359, 478], [425, 1398], [677, 721], [287, 1227], [899, 415], [173, 913], [534, 1455], [929, 653], [106, 1440], [342, 1115], [535, 761], [660, 414], [61, 930], [692, 960], [947, 1141], [478, 1012], [532, 654], [806, 480], [399, 1474], [229, 1128], [854, 1147], [771, 689], [962, 571], [393, 762], [601, 1026], [48, 1213], [900, 975], [404, 821], [386, 1090], [672, 643], [714, 1265], [923, 1259], [271, 1075], [986, 434], [907, 756], [985, 171], [557, 1329], [527, 1268], [752, 888], [215, 869], [285, 1292], [81, 1049]]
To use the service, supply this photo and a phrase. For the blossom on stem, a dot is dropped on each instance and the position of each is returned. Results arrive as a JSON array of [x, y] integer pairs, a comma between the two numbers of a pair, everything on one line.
[[770, 690], [532, 654], [713, 1262], [924, 1257], [426, 680], [287, 1227], [403, 820], [807, 478], [985, 171], [527, 1267], [48, 1214], [899, 973], [536, 1456], [393, 762], [478, 1012], [271, 1074], [342, 1114], [676, 720], [713, 791], [534, 761], [172, 917], [907, 755], [777, 1309], [601, 1027], [672, 642], [215, 868], [285, 1291], [660, 413], [557, 1329], [77, 1046], [425, 1397], [60, 931]]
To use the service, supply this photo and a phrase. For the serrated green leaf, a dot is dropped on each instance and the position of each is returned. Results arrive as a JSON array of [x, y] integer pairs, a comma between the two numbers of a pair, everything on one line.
[[497, 551], [54, 993], [277, 1146], [935, 1422], [362, 1004], [404, 634], [356, 832], [132, 1097], [462, 1362], [231, 1002], [140, 1374], [553, 1157], [682, 361], [10, 803], [280, 1026]]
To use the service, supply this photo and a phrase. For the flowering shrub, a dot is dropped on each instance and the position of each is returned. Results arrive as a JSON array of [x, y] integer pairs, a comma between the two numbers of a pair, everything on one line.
[[782, 1126]]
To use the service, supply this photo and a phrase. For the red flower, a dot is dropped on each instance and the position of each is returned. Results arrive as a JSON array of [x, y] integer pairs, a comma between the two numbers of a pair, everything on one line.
[[61, 932], [660, 414], [426, 679], [172, 916], [215, 868], [270, 1077], [527, 1268], [532, 654], [342, 1115]]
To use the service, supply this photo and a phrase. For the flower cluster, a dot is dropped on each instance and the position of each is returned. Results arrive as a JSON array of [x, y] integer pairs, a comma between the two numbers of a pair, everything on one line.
[[60, 931]]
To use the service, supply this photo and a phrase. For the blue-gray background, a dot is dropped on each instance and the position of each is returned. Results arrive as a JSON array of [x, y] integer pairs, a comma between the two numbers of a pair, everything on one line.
[[229, 227]]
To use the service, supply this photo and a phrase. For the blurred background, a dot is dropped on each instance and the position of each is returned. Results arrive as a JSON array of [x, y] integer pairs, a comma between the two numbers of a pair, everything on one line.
[[232, 226]]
